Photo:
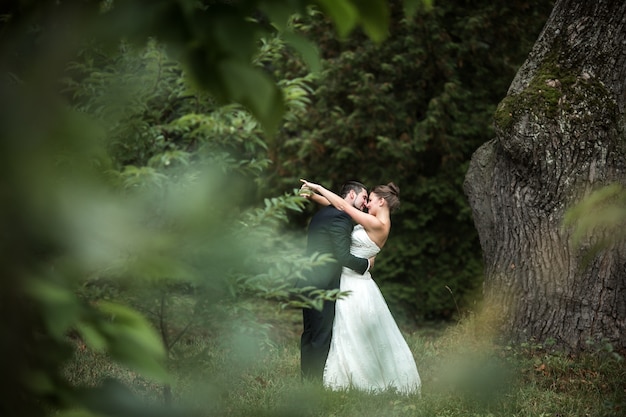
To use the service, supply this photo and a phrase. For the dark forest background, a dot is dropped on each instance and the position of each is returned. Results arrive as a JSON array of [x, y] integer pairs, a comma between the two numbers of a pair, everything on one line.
[[411, 110]]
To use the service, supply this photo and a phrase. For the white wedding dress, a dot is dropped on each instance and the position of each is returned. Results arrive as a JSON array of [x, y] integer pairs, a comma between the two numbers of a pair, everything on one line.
[[367, 350]]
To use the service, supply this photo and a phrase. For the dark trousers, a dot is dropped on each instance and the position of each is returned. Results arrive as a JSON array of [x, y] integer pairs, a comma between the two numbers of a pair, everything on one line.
[[315, 340]]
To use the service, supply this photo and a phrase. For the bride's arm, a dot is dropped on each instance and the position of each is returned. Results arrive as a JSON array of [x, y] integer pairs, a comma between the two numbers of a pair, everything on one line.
[[366, 220], [321, 200]]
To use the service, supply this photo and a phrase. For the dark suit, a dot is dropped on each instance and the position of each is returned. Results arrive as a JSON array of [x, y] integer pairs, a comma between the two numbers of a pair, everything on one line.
[[330, 231]]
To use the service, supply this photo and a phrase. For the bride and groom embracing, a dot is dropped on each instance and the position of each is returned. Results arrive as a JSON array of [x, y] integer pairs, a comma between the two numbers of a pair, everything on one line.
[[355, 341]]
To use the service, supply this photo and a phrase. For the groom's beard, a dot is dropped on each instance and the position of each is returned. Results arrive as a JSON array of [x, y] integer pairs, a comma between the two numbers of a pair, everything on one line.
[[363, 209]]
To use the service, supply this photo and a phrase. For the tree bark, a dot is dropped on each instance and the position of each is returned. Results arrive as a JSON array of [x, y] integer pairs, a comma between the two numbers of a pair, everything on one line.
[[560, 133]]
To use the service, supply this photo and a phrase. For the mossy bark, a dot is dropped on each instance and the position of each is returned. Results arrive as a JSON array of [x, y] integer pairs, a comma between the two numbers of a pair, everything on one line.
[[560, 133]]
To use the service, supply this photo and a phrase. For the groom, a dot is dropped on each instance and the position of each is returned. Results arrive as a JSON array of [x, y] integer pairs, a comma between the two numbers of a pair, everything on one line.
[[330, 232]]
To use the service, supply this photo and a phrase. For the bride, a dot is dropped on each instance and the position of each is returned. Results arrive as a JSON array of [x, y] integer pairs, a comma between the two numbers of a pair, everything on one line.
[[367, 350]]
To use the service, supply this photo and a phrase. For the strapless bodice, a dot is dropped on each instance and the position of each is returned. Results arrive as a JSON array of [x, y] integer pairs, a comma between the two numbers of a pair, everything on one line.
[[362, 246]]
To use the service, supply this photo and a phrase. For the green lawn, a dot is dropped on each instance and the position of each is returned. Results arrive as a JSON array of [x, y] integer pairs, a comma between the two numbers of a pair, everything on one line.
[[464, 373]]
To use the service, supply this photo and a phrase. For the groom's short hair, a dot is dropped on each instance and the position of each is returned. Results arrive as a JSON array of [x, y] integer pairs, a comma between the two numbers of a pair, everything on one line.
[[351, 186]]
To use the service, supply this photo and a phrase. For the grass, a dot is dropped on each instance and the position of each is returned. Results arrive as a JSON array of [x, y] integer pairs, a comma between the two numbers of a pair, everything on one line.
[[464, 373]]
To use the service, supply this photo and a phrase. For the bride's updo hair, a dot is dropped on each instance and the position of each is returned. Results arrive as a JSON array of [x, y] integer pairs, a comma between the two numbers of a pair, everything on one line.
[[391, 194]]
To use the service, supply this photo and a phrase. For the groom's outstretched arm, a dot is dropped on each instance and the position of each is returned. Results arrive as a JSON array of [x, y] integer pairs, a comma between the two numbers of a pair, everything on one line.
[[341, 231]]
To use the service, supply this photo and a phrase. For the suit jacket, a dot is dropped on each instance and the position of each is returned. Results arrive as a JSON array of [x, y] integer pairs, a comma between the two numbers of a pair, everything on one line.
[[330, 231]]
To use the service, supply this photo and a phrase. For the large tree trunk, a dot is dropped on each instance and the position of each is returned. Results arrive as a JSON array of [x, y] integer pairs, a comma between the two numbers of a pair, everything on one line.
[[560, 133]]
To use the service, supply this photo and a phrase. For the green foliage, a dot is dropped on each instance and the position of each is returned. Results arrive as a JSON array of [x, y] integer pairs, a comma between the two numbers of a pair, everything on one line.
[[372, 15], [597, 221], [131, 339], [411, 110], [216, 40]]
